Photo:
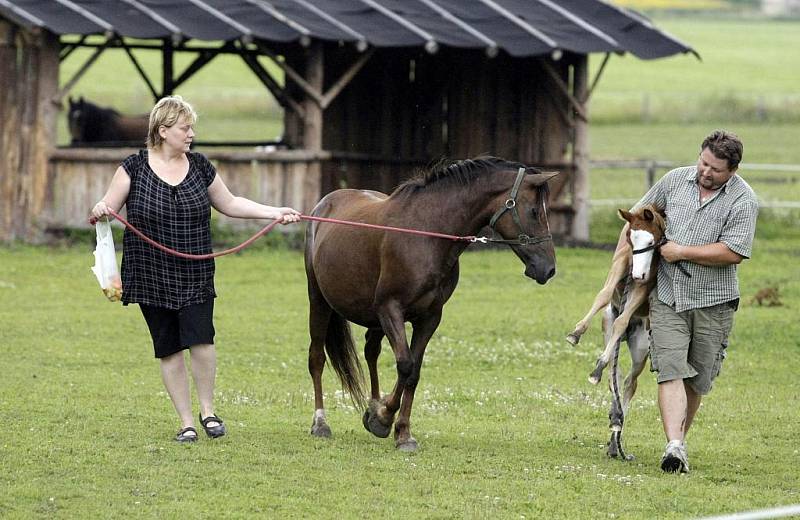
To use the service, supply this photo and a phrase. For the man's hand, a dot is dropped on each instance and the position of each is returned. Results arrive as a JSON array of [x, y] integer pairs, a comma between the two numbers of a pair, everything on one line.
[[672, 252]]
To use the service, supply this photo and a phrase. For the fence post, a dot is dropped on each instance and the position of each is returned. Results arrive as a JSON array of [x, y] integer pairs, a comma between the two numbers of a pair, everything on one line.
[[651, 174]]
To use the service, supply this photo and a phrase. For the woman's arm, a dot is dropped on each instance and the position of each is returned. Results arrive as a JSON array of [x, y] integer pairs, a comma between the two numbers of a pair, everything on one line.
[[239, 207], [116, 195]]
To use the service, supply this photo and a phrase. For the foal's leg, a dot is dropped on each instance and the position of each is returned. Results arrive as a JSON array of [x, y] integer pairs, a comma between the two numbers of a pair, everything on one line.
[[619, 267], [638, 295], [381, 413], [615, 413], [319, 318], [639, 346], [423, 330]]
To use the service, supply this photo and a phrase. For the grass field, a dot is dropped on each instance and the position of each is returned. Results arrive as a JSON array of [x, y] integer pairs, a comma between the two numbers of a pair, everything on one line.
[[508, 425]]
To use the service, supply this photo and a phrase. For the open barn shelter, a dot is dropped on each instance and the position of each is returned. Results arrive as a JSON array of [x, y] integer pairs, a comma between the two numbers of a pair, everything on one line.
[[371, 89]]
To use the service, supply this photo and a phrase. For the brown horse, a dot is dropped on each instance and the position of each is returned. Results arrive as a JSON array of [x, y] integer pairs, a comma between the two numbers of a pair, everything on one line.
[[631, 278], [99, 126], [381, 280]]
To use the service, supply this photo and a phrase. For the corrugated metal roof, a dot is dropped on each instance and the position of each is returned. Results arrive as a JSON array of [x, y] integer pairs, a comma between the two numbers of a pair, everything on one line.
[[518, 27]]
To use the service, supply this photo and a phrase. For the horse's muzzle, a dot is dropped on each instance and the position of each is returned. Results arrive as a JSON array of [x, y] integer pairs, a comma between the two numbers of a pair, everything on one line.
[[540, 275]]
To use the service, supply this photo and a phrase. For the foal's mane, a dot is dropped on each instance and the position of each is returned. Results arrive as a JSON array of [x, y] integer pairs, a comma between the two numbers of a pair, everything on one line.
[[445, 173]]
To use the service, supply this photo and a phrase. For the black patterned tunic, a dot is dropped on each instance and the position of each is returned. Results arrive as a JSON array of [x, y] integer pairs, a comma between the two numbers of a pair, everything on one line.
[[178, 217]]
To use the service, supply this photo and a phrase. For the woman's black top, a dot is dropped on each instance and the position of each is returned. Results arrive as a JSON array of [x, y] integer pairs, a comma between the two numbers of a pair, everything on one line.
[[178, 217]]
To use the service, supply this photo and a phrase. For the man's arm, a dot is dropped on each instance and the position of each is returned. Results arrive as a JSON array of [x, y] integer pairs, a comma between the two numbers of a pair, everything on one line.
[[712, 255]]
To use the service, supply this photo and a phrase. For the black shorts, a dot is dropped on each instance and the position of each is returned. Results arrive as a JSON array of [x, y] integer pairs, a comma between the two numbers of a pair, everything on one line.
[[176, 330]]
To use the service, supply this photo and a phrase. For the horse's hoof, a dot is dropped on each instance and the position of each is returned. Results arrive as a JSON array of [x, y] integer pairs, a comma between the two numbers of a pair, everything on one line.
[[372, 423], [573, 339], [408, 446]]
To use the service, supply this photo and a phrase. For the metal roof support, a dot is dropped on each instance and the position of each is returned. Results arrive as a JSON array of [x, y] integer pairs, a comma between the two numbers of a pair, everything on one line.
[[577, 20], [160, 20], [247, 34], [519, 22], [305, 33], [139, 68], [22, 13], [361, 40], [491, 45], [280, 95], [576, 105], [597, 77], [79, 73], [204, 56], [430, 43], [167, 67], [69, 48], [88, 15]]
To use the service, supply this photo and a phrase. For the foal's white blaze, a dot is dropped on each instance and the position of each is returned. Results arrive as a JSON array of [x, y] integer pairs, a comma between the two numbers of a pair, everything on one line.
[[641, 262]]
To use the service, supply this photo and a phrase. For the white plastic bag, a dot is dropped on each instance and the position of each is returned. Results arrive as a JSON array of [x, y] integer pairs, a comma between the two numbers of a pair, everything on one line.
[[105, 262]]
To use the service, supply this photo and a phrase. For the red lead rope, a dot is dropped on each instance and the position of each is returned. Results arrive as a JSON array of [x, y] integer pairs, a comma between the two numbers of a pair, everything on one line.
[[271, 225]]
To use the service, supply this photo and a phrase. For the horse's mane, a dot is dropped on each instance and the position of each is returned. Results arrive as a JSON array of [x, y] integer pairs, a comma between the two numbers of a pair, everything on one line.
[[447, 173]]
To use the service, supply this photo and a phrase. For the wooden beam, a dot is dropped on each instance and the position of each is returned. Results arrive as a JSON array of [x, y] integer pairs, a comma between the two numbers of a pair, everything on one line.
[[78, 74], [597, 77], [580, 155], [280, 95], [139, 69], [292, 74], [562, 86], [343, 81]]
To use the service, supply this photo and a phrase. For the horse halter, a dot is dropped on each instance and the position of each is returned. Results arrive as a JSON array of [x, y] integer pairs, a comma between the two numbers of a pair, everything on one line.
[[660, 243], [511, 206]]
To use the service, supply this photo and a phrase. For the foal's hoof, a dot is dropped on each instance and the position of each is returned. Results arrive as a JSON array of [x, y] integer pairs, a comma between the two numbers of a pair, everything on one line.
[[372, 423], [319, 426], [321, 430], [410, 445], [573, 339], [594, 379]]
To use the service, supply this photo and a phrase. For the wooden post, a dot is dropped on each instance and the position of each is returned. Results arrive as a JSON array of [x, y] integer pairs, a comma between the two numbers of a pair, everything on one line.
[[312, 124], [28, 82], [580, 152]]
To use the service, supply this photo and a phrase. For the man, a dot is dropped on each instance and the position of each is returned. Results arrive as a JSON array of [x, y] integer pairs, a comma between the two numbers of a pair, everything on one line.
[[711, 218]]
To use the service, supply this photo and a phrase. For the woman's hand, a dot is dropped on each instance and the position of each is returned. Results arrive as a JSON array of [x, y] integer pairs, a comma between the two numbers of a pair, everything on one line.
[[287, 215], [101, 209]]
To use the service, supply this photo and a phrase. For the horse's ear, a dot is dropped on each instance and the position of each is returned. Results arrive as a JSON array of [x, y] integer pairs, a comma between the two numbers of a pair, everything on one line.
[[625, 214], [541, 178]]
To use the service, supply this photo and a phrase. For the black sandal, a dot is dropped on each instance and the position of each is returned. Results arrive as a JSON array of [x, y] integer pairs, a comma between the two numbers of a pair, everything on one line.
[[182, 436], [213, 431]]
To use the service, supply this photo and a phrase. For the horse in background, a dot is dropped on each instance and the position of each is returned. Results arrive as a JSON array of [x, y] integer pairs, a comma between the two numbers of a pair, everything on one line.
[[382, 279], [100, 126], [625, 297]]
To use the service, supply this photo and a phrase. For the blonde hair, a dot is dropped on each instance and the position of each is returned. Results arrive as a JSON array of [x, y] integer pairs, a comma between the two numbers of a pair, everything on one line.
[[167, 112]]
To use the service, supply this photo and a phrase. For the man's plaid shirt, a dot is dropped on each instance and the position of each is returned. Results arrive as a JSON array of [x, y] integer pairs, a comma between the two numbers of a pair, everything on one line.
[[728, 217]]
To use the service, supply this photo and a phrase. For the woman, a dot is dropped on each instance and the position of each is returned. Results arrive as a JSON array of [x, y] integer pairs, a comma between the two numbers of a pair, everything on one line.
[[169, 192]]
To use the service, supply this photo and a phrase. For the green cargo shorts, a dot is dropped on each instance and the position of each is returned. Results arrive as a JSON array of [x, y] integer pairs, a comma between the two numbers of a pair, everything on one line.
[[689, 345]]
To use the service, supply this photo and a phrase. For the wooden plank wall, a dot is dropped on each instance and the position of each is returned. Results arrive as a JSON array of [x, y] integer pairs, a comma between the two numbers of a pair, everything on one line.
[[28, 83], [78, 178], [407, 109]]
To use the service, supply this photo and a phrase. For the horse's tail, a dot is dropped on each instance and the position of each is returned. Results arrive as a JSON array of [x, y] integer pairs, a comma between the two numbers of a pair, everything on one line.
[[343, 357]]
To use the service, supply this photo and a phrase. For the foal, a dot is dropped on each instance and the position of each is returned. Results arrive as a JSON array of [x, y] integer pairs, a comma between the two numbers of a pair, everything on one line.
[[624, 295]]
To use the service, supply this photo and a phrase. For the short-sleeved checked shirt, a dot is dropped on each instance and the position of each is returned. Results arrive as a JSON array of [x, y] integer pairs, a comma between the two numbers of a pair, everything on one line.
[[178, 217], [728, 217]]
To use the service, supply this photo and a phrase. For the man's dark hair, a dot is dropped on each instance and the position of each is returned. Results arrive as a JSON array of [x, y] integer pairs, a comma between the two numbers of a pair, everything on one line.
[[724, 145]]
